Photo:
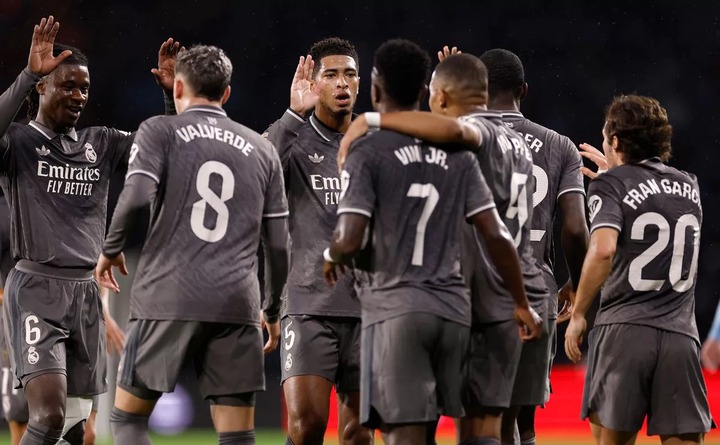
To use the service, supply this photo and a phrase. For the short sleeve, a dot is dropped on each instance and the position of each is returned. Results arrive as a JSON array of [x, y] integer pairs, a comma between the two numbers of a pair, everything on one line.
[[478, 195], [479, 126], [276, 205], [604, 204], [358, 189], [147, 154], [571, 179], [121, 142]]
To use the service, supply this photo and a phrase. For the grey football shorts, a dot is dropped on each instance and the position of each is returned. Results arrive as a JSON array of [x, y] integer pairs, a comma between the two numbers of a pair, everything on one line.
[[412, 370], [491, 365], [637, 371], [227, 358], [531, 381], [328, 347], [56, 325]]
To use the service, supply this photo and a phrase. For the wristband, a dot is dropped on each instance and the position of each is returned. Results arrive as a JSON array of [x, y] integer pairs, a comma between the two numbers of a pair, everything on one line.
[[373, 120], [327, 257]]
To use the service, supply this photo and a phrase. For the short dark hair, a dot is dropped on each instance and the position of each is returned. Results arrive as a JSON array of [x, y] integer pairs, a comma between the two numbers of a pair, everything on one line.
[[207, 70], [332, 46], [404, 68], [76, 58], [465, 73], [641, 125], [505, 71]]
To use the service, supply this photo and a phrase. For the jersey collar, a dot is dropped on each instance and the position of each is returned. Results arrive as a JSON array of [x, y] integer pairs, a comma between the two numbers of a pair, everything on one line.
[[49, 133], [206, 109], [325, 132], [512, 115], [488, 114]]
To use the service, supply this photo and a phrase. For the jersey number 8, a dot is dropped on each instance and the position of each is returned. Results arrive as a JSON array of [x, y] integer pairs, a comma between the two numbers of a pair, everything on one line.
[[210, 198]]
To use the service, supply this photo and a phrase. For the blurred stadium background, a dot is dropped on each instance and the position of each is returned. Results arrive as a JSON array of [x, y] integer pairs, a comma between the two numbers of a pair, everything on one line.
[[577, 55]]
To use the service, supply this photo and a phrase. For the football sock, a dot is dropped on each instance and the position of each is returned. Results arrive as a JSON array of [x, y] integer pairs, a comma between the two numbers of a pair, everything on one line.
[[528, 442], [39, 434], [237, 438], [482, 441], [129, 428], [76, 434], [288, 441]]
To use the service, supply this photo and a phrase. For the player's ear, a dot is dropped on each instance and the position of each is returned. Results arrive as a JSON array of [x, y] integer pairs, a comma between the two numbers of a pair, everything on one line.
[[523, 91], [178, 88], [40, 86], [226, 95]]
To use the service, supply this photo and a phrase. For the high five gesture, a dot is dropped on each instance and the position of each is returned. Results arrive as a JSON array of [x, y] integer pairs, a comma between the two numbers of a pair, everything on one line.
[[41, 60]]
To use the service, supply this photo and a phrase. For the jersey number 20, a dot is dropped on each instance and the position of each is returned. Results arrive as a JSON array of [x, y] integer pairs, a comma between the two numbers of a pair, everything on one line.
[[210, 198], [679, 239]]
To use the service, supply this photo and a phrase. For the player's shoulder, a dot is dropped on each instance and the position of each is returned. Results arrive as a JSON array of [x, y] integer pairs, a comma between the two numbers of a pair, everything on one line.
[[263, 145], [614, 179], [383, 142]]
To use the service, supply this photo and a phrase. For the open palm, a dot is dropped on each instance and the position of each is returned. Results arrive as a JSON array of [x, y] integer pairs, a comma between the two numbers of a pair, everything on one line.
[[41, 60]]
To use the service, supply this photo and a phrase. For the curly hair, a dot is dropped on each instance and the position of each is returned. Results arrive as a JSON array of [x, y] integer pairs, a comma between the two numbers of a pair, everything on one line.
[[405, 69], [641, 126], [332, 46]]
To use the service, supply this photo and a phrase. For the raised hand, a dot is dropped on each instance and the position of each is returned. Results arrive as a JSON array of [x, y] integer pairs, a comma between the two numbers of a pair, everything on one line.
[[587, 151], [446, 52], [167, 56], [302, 96], [41, 60]]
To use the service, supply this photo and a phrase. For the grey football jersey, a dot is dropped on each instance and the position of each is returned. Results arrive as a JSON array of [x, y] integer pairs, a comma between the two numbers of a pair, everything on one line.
[[657, 210], [308, 150], [506, 163], [418, 197], [217, 180], [556, 168], [6, 258], [57, 187]]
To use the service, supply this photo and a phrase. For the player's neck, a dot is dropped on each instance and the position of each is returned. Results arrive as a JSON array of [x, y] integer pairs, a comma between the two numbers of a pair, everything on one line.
[[504, 102], [391, 107], [335, 121], [199, 102], [47, 122]]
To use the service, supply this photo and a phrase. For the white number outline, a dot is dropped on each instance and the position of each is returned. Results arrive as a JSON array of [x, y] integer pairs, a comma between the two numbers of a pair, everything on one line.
[[422, 191], [542, 187], [217, 203], [289, 335], [32, 334], [518, 203], [637, 233]]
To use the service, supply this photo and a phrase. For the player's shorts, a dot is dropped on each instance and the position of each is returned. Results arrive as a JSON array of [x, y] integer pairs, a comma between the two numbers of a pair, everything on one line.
[[636, 371], [227, 358], [412, 369], [14, 403], [552, 343], [531, 381], [491, 365], [54, 324], [328, 347]]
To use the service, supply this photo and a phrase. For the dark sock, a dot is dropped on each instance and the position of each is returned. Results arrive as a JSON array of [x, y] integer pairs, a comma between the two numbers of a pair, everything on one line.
[[39, 434], [237, 438], [129, 428], [288, 441], [76, 434], [482, 441], [528, 442]]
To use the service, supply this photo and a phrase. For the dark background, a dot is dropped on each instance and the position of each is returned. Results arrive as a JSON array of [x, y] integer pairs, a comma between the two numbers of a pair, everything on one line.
[[577, 56]]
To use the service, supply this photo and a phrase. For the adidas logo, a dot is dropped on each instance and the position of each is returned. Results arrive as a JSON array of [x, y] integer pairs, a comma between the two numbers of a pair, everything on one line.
[[43, 151], [315, 158]]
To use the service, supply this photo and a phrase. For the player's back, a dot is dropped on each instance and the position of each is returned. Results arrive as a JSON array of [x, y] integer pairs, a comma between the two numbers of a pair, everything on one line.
[[506, 164], [420, 195], [219, 180], [656, 208], [556, 168]]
